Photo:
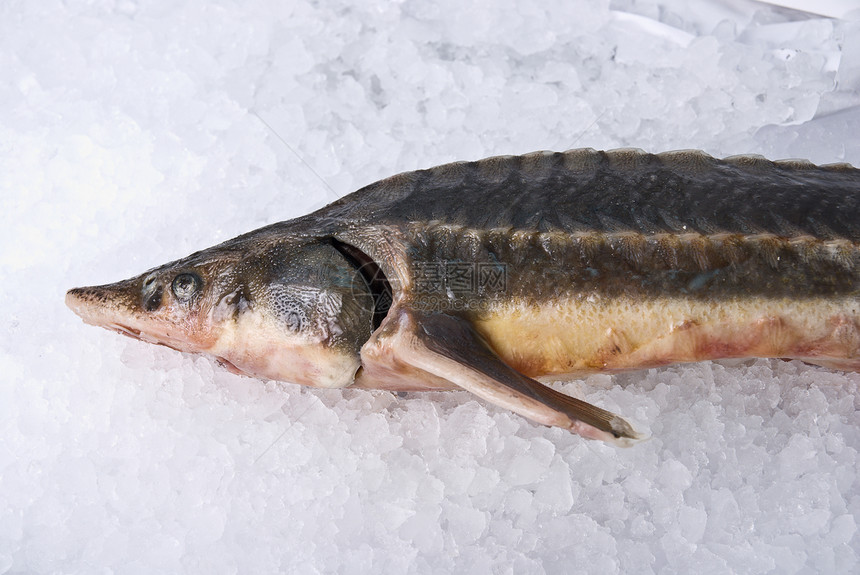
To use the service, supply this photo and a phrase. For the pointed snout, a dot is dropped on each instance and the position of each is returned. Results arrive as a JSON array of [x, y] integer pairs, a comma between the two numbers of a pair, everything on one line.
[[76, 300], [133, 307], [105, 305]]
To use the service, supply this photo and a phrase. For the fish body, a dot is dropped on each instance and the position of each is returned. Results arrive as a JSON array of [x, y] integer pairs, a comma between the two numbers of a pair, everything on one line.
[[490, 275]]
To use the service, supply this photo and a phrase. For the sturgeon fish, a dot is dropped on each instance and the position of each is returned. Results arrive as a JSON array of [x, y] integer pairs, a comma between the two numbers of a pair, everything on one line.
[[487, 276]]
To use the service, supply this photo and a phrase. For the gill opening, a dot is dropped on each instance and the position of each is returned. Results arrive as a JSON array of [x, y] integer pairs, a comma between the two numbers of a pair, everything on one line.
[[374, 277]]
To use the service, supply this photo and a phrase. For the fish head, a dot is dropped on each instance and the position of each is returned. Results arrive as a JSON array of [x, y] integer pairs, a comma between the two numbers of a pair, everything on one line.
[[292, 309]]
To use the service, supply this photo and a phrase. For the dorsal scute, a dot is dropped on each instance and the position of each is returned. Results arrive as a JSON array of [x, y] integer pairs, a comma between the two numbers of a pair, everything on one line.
[[695, 161], [750, 162], [796, 164], [630, 159], [838, 167]]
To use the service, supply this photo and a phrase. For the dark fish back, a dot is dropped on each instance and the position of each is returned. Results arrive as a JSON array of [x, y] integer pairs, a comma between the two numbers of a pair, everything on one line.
[[621, 190]]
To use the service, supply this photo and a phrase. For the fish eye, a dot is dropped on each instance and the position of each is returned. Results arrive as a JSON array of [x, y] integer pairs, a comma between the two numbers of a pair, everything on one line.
[[185, 285]]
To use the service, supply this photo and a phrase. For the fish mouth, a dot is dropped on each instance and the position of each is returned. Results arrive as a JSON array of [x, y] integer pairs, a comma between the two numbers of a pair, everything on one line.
[[141, 336], [125, 330], [137, 334]]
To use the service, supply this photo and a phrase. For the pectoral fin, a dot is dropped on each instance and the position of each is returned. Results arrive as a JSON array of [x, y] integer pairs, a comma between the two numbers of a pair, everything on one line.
[[449, 348]]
